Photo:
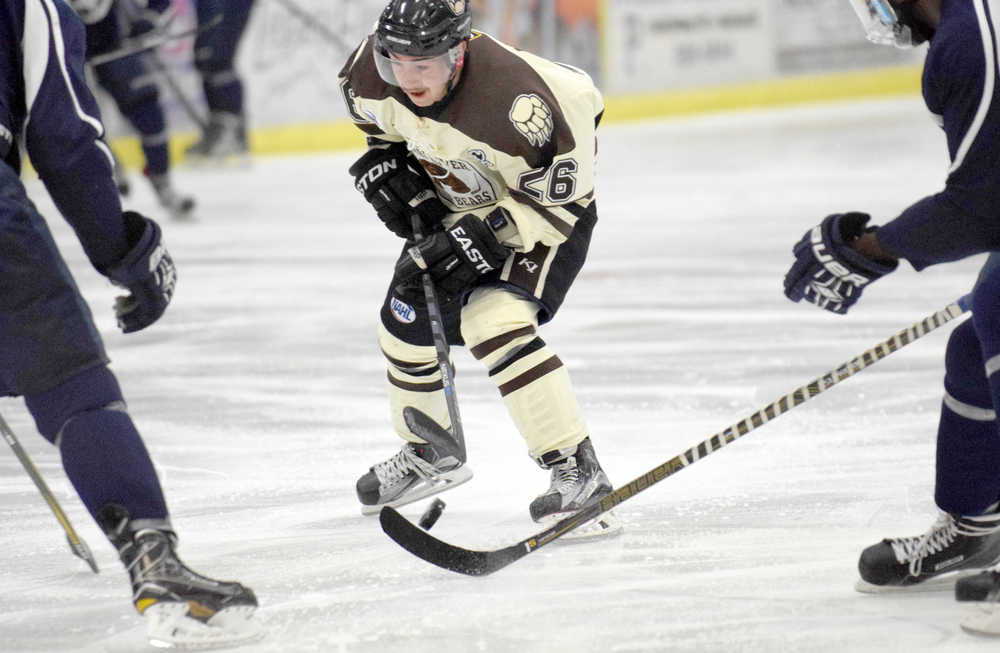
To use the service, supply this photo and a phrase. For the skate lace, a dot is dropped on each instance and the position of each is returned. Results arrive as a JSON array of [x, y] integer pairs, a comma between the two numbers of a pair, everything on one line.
[[405, 461], [565, 477], [914, 549], [146, 551]]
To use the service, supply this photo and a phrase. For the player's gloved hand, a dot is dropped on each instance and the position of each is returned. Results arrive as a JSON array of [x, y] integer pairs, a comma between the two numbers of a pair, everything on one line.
[[828, 271], [147, 272], [456, 258], [389, 180]]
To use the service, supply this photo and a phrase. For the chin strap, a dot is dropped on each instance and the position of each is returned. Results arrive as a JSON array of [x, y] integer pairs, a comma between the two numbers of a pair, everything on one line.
[[458, 65]]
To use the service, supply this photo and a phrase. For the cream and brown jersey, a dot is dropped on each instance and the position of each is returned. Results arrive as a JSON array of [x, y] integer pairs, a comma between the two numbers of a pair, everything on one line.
[[518, 131]]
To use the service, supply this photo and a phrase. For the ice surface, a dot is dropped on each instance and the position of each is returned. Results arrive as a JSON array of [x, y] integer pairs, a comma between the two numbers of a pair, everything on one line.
[[261, 397]]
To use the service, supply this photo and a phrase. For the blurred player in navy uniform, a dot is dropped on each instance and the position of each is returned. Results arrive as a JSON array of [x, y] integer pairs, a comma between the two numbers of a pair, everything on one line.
[[837, 259], [494, 149], [50, 351], [215, 49], [132, 86]]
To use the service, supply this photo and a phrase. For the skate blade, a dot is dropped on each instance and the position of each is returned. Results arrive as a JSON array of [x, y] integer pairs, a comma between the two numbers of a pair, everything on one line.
[[982, 619], [603, 526], [169, 626], [944, 582], [181, 214], [424, 489]]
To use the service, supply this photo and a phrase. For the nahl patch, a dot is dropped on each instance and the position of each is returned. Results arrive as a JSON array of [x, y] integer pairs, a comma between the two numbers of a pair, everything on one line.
[[402, 311]]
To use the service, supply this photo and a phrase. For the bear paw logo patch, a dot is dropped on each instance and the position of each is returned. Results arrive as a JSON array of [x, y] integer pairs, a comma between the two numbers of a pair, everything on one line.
[[533, 118]]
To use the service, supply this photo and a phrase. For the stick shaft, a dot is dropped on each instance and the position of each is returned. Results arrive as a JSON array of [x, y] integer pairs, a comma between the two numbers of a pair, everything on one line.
[[150, 41], [479, 563], [757, 419], [315, 24], [440, 344], [168, 77], [79, 547]]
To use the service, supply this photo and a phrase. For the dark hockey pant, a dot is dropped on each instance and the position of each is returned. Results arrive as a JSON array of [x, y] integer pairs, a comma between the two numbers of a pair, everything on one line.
[[215, 53], [131, 85], [51, 353], [968, 446]]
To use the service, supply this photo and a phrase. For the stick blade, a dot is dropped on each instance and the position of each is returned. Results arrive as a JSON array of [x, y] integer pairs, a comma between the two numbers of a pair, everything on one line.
[[447, 556], [425, 428]]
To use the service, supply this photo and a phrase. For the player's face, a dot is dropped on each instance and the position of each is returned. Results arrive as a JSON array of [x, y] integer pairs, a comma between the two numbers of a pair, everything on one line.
[[423, 79]]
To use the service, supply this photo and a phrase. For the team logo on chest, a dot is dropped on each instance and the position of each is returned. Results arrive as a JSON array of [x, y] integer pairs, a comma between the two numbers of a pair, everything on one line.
[[460, 182], [533, 118]]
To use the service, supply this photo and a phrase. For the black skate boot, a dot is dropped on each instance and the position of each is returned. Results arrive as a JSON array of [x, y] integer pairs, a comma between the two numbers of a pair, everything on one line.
[[983, 591], [224, 139], [983, 586], [180, 207], [183, 608], [577, 479], [120, 177], [417, 471], [955, 545]]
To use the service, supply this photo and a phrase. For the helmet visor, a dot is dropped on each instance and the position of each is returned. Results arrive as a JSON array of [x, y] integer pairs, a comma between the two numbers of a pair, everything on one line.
[[415, 72], [881, 23]]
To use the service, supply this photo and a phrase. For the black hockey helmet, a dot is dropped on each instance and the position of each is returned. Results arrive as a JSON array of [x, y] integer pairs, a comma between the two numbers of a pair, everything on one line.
[[422, 28]]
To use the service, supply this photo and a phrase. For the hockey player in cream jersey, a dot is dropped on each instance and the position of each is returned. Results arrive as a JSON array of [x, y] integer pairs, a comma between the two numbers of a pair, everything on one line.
[[494, 149]]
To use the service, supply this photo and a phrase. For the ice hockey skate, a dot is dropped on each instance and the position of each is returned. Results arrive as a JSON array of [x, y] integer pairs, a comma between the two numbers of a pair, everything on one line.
[[982, 590], [224, 140], [182, 608], [955, 546], [120, 177], [179, 207], [577, 480], [415, 472]]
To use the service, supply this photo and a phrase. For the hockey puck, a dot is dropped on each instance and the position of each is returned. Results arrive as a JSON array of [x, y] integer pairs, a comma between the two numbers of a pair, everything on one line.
[[432, 514]]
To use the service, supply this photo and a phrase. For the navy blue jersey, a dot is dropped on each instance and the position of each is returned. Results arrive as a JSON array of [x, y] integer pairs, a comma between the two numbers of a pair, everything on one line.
[[46, 108], [960, 87]]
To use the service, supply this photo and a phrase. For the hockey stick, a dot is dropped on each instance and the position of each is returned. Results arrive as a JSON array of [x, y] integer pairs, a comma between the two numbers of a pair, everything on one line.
[[150, 41], [315, 24], [440, 340], [80, 548], [480, 563], [157, 64]]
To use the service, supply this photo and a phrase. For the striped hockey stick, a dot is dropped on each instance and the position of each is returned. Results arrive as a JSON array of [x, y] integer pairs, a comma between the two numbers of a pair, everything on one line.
[[480, 563], [440, 344], [80, 548]]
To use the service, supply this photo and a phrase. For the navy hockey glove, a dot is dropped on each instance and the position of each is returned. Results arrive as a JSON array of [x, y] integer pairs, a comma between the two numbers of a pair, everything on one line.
[[457, 257], [390, 181], [147, 272], [829, 272]]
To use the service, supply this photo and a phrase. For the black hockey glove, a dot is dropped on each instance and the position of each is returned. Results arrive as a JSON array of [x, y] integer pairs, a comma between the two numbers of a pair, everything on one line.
[[456, 258], [829, 272], [147, 272], [391, 182]]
